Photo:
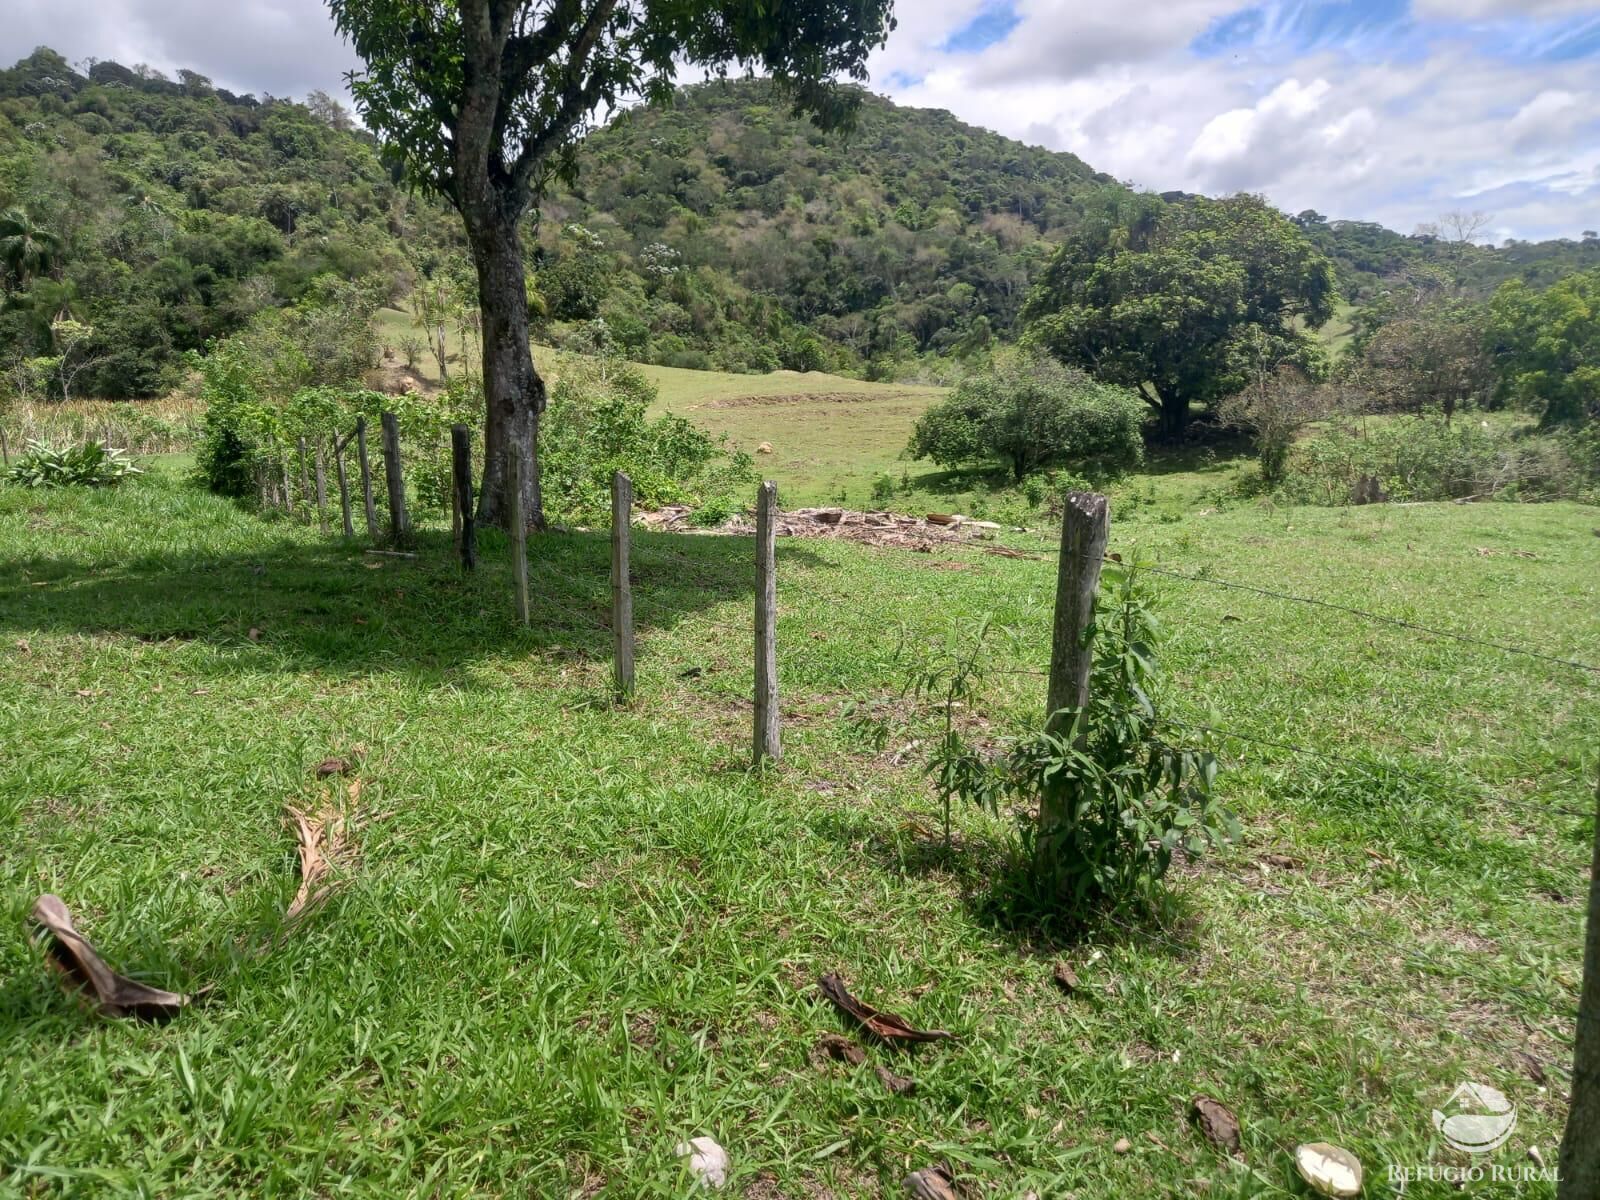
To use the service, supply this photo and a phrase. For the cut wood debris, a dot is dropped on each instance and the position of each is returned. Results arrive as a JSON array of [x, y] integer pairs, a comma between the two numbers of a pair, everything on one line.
[[113, 994], [880, 528], [883, 1025]]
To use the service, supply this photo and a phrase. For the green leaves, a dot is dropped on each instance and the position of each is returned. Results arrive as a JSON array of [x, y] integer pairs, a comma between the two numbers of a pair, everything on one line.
[[91, 464], [1156, 296], [1030, 411], [1547, 347]]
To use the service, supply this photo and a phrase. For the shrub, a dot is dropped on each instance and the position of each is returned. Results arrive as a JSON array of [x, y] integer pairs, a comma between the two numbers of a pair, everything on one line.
[[598, 422], [1030, 411], [1428, 458], [1103, 798], [1275, 407], [90, 464]]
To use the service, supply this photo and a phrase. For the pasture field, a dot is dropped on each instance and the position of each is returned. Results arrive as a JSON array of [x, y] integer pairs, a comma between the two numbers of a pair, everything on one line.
[[568, 936]]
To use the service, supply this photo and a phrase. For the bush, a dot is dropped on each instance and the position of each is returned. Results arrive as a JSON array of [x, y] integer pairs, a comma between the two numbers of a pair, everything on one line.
[[1429, 458], [598, 423], [91, 464], [1028, 412], [1103, 799]]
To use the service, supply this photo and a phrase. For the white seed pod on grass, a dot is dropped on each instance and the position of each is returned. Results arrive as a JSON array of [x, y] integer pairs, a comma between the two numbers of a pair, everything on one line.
[[708, 1162], [1331, 1170]]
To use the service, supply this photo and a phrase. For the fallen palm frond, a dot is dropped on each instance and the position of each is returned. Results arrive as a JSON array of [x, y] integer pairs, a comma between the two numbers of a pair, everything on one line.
[[326, 847], [113, 994]]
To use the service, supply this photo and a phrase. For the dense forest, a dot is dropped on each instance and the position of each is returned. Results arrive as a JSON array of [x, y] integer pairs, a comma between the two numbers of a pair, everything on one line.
[[143, 217]]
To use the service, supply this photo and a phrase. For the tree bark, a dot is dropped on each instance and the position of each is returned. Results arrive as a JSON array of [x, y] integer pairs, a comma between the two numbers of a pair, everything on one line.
[[1580, 1148], [514, 392]]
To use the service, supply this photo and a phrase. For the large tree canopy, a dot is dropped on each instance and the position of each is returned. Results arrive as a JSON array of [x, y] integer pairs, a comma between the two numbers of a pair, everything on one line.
[[1547, 347], [1166, 298], [482, 101]]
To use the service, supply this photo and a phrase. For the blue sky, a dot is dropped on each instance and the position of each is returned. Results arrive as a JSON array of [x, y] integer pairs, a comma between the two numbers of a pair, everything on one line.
[[1388, 110]]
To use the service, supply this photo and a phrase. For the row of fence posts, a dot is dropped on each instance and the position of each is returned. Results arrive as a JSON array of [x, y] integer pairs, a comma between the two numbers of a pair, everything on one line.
[[1084, 535], [274, 487]]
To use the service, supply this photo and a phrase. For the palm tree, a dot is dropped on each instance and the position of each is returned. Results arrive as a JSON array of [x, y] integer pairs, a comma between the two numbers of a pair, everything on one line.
[[26, 249]]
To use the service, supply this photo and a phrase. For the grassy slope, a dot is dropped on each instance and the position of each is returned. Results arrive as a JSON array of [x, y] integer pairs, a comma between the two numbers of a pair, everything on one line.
[[828, 433], [576, 935]]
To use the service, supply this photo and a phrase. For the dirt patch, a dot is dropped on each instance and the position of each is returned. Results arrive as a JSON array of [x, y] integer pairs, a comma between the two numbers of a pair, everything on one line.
[[393, 379], [803, 398], [873, 528]]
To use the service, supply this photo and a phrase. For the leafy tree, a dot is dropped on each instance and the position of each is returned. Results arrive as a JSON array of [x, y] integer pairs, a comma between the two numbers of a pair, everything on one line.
[[1434, 357], [484, 101], [1275, 406], [27, 248], [1030, 411], [1165, 298], [1547, 347]]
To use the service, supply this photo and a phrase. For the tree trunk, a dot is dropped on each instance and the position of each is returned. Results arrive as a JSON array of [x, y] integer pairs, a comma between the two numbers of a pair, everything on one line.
[[1580, 1148], [513, 390], [1174, 416]]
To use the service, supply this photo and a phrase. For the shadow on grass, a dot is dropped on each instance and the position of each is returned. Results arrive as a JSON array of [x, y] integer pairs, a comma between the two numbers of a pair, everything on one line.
[[294, 606], [998, 892]]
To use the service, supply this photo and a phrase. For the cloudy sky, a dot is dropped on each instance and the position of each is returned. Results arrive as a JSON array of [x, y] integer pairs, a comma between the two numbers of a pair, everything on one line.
[[1388, 110]]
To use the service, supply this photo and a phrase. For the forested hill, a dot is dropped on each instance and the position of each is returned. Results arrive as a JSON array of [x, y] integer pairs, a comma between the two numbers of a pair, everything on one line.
[[141, 217], [914, 233]]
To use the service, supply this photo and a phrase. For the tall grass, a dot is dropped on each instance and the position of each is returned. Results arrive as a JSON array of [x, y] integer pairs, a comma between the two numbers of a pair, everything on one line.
[[161, 426]]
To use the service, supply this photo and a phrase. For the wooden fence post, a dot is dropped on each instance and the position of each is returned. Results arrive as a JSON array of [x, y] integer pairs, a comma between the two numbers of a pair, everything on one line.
[[768, 737], [621, 584], [305, 474], [339, 447], [366, 478], [399, 522], [322, 489], [461, 489], [519, 534], [1085, 528], [1580, 1145], [288, 489]]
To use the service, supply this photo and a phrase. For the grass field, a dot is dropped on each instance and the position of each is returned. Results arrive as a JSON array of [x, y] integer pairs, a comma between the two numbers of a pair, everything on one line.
[[572, 935]]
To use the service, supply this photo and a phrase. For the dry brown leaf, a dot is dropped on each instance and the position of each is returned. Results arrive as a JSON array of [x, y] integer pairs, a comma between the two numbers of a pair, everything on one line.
[[332, 766], [884, 1025], [898, 1084], [322, 839], [838, 1048], [931, 1183], [1217, 1122], [115, 995]]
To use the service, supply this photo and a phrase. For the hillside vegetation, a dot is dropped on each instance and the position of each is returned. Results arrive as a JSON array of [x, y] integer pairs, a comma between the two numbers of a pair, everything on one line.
[[146, 216]]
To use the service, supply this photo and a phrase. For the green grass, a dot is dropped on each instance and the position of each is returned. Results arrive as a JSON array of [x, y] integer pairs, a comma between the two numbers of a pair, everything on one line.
[[830, 435], [575, 935]]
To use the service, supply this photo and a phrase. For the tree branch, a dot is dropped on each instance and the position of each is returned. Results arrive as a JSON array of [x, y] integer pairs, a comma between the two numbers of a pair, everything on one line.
[[578, 98]]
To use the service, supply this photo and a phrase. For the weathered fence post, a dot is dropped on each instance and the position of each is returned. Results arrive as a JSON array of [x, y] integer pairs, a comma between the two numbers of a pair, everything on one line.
[[519, 535], [305, 474], [288, 489], [399, 522], [366, 478], [461, 489], [621, 585], [340, 445], [768, 737], [322, 490], [1085, 527], [1580, 1145]]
